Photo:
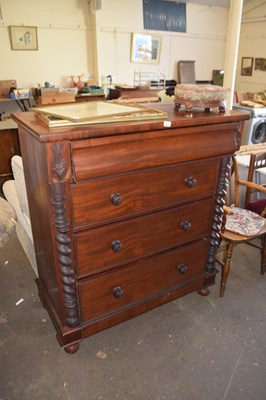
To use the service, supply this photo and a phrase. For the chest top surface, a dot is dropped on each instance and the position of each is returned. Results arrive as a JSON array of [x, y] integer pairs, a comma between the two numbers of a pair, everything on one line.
[[176, 119]]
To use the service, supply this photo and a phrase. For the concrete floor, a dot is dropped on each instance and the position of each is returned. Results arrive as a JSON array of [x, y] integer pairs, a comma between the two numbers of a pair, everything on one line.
[[194, 348]]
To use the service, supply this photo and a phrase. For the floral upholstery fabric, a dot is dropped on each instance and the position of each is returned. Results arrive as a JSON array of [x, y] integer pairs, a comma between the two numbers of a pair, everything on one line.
[[200, 93], [244, 222]]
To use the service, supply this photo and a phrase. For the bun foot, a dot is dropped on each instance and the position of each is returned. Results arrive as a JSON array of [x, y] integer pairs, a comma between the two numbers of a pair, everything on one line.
[[72, 348], [204, 292]]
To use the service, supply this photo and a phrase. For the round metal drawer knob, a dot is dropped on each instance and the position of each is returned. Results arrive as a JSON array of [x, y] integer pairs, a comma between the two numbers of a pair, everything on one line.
[[186, 226], [182, 268], [190, 182], [116, 246], [118, 292], [116, 199]]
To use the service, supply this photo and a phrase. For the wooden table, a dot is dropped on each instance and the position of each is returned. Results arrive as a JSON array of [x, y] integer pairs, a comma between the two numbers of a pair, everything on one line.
[[65, 97], [133, 94], [23, 103], [89, 97]]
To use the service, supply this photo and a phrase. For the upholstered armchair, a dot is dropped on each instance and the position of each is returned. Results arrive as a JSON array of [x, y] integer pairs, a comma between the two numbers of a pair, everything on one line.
[[16, 195]]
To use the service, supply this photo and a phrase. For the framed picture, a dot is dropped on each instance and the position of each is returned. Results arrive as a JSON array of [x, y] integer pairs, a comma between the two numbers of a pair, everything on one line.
[[246, 66], [145, 48], [260, 64], [23, 37]]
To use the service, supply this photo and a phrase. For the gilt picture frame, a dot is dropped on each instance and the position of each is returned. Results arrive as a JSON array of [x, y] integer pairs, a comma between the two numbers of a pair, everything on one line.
[[23, 37], [145, 48]]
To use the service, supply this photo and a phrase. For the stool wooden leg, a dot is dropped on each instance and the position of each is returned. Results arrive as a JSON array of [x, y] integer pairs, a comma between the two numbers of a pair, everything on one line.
[[226, 268]]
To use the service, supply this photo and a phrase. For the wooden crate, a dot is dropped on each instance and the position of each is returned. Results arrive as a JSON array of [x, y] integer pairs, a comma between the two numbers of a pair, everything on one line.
[[5, 87], [56, 98]]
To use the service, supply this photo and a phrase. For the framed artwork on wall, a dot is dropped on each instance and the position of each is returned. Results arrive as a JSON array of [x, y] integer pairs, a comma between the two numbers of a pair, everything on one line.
[[145, 48], [260, 64], [246, 66], [23, 37]]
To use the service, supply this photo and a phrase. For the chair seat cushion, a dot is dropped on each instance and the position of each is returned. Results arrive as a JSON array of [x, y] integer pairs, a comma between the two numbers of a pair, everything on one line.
[[244, 222]]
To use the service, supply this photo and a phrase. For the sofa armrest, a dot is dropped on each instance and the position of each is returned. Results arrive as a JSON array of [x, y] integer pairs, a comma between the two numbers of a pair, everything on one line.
[[10, 193]]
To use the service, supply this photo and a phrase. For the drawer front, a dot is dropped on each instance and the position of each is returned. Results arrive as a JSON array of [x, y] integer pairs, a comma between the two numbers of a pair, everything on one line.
[[109, 199], [119, 154], [128, 286], [113, 245]]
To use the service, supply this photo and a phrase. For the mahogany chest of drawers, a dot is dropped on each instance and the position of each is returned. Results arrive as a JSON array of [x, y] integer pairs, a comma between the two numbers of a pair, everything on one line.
[[125, 216]]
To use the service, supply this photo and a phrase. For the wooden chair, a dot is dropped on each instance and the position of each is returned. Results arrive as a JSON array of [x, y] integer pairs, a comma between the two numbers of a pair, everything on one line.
[[229, 239], [257, 161]]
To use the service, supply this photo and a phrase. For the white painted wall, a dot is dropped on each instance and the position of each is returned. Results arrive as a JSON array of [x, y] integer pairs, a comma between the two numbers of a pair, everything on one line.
[[252, 44], [64, 41], [73, 39], [65, 47], [204, 41]]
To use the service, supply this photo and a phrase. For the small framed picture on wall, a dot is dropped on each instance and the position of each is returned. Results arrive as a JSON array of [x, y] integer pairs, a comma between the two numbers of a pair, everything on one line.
[[145, 48], [260, 64], [246, 66], [23, 37]]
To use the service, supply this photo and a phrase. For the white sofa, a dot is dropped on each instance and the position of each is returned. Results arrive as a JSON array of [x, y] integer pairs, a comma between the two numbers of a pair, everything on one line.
[[16, 195], [7, 221], [164, 97]]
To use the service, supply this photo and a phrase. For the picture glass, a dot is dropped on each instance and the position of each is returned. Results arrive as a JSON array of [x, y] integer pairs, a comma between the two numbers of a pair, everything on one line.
[[23, 37], [246, 66], [145, 49]]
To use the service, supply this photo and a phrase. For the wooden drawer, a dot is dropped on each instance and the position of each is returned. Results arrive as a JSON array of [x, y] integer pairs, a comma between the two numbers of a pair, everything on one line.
[[113, 245], [153, 277], [109, 199], [118, 154]]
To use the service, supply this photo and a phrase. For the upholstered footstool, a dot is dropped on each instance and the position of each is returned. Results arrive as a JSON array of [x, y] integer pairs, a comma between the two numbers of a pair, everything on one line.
[[204, 96]]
